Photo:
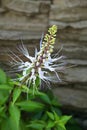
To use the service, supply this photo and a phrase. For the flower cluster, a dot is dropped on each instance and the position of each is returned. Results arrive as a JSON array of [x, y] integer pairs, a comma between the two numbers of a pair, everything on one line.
[[38, 67]]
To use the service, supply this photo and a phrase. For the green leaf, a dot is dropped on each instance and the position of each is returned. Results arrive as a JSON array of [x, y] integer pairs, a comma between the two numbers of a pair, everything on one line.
[[55, 102], [2, 112], [61, 123], [44, 97], [3, 78], [5, 124], [45, 116], [30, 106], [5, 87], [37, 115], [37, 125], [10, 82], [50, 124], [51, 115], [37, 81], [1, 109], [14, 115], [57, 110], [3, 96], [56, 116], [61, 127], [65, 119], [16, 94], [25, 88], [23, 125]]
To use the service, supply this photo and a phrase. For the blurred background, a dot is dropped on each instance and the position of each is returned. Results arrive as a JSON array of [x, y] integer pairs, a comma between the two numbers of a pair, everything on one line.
[[28, 19]]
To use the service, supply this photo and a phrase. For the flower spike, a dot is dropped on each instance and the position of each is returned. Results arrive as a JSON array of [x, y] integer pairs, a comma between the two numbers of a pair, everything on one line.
[[36, 68]]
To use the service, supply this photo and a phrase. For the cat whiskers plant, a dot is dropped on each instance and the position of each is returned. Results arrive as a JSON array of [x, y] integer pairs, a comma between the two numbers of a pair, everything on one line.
[[37, 68]]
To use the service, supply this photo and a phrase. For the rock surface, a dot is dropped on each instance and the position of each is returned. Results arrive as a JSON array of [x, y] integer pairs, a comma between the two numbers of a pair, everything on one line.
[[71, 18], [76, 97]]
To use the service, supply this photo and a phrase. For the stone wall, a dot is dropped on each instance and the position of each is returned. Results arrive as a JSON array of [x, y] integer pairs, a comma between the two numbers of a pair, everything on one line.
[[27, 19], [71, 18]]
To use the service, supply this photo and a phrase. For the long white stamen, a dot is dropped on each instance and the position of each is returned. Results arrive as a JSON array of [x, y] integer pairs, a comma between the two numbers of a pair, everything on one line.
[[42, 63]]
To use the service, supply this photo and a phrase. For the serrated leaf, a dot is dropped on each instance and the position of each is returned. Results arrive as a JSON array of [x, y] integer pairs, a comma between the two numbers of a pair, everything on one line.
[[51, 115], [30, 106], [16, 94], [14, 115], [3, 77]]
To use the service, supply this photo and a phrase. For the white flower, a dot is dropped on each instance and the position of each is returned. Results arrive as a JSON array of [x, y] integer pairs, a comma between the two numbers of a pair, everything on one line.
[[42, 64]]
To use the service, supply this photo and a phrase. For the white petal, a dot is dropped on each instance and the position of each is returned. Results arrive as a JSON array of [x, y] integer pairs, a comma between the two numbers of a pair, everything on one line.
[[51, 69], [58, 58], [41, 40], [25, 52], [36, 52]]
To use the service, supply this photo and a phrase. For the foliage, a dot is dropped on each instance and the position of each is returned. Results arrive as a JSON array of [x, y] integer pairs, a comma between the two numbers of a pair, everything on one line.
[[40, 111]]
